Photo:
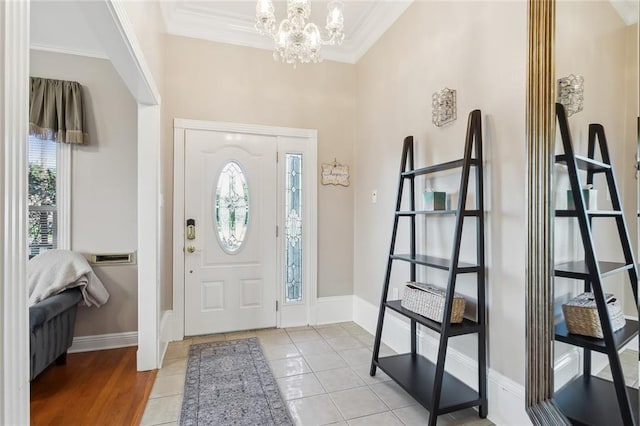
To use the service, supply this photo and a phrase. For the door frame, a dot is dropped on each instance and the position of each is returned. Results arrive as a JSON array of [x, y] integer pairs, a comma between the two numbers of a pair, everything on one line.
[[308, 137]]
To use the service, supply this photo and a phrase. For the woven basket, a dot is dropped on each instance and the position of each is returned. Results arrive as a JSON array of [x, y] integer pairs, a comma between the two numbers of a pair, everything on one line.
[[581, 315], [428, 301]]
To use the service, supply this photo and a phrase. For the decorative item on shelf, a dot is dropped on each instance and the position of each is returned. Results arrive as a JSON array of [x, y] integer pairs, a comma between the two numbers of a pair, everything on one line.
[[428, 301], [571, 93], [444, 107], [295, 39], [590, 198], [581, 315], [334, 174], [434, 200]]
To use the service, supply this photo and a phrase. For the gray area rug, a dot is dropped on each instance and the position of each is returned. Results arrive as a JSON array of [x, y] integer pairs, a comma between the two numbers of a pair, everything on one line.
[[230, 383]]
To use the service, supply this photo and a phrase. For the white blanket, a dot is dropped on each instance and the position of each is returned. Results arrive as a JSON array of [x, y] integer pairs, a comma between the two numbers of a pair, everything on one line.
[[57, 270]]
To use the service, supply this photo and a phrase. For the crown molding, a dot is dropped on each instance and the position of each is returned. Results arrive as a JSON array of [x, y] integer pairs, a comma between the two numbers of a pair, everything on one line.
[[192, 20], [67, 51]]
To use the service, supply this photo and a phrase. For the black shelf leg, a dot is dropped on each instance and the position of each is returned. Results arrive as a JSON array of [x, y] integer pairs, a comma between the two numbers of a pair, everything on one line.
[[413, 336]]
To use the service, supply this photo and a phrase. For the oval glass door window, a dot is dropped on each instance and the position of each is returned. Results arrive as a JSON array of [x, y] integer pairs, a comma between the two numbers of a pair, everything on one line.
[[231, 207]]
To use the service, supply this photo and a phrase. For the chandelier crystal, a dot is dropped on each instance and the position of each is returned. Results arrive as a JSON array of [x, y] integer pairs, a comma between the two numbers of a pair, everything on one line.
[[295, 39]]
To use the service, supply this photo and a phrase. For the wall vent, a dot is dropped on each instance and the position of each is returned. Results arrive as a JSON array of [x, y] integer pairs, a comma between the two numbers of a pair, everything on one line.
[[113, 259]]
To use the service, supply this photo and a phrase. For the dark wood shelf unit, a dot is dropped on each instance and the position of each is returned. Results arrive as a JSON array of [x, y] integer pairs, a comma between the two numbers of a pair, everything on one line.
[[416, 374], [465, 327], [585, 163], [435, 262], [590, 213], [427, 381], [590, 400], [449, 165], [581, 270], [466, 213], [620, 337]]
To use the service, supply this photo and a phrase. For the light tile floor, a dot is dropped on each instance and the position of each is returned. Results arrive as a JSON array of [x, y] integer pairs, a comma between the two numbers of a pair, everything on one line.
[[323, 374], [630, 370]]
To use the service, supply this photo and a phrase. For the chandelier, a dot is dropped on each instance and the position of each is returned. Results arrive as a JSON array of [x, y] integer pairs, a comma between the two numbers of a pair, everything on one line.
[[295, 39]]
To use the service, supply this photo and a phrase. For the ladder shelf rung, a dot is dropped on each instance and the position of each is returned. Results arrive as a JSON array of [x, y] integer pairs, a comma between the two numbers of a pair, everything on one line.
[[580, 269], [474, 213], [435, 262], [585, 163], [620, 337], [416, 375], [465, 327], [592, 401], [590, 213], [438, 167]]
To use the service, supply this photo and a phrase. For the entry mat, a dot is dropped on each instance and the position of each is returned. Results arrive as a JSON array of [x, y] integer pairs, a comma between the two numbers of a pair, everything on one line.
[[230, 383]]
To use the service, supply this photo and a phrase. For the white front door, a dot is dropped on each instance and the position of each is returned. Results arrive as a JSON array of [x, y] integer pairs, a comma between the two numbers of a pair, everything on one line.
[[230, 266]]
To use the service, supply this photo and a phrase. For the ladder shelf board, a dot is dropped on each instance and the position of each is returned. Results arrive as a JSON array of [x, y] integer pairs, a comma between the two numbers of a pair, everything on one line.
[[620, 337], [590, 400], [438, 167], [435, 262], [590, 213], [474, 213], [580, 269], [465, 327], [586, 163], [416, 375]]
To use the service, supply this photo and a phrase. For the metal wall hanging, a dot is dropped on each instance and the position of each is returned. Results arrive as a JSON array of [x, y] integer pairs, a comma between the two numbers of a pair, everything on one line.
[[335, 174], [444, 106], [571, 93]]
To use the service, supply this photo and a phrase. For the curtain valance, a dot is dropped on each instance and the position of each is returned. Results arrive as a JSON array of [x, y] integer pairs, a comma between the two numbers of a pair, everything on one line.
[[56, 111]]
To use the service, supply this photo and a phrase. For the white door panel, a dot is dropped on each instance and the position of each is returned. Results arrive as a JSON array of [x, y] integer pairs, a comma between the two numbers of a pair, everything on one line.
[[233, 287]]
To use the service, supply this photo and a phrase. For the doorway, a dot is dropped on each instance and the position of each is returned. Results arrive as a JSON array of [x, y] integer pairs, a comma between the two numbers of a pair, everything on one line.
[[244, 227]]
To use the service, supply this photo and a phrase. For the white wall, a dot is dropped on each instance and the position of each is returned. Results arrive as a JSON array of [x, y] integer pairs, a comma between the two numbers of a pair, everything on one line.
[[479, 49], [103, 187], [219, 82]]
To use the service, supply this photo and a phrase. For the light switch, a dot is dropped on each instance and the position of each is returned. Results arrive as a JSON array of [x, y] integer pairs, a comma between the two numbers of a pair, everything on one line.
[[374, 196]]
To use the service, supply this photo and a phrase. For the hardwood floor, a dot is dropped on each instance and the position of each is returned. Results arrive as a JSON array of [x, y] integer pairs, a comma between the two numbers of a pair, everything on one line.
[[93, 388]]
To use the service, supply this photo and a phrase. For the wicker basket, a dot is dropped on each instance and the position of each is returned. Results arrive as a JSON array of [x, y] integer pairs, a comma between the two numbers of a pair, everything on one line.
[[581, 315], [428, 301]]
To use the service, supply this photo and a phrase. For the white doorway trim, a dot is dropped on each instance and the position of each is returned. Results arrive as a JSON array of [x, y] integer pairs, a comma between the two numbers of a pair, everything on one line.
[[310, 236], [114, 30], [14, 117]]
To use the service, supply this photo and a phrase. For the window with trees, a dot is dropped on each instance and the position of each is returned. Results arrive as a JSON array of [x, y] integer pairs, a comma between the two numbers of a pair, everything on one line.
[[43, 205]]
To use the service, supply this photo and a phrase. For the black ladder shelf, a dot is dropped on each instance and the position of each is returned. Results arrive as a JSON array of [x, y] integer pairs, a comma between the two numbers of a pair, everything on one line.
[[590, 400], [428, 382]]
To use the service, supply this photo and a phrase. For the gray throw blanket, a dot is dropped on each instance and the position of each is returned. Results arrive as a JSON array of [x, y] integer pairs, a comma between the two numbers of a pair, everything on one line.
[[54, 271]]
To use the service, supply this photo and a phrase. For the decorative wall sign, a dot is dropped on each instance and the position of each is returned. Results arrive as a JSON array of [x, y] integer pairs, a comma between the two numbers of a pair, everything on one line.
[[444, 106], [335, 174], [571, 93]]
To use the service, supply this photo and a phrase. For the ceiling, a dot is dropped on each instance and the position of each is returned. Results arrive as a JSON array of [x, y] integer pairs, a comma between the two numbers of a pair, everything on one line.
[[61, 26], [234, 22]]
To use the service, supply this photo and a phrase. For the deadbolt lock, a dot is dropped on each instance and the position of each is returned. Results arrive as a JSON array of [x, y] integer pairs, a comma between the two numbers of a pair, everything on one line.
[[191, 229], [191, 249]]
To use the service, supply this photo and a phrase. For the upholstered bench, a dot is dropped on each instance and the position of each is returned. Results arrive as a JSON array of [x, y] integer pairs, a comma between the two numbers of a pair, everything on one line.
[[51, 322]]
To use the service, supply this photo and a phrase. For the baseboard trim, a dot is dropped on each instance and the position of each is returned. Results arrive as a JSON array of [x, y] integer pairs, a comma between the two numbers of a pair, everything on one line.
[[167, 334], [104, 341], [506, 397], [333, 309]]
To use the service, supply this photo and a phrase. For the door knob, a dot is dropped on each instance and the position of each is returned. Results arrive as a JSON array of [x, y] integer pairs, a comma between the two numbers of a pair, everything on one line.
[[191, 249]]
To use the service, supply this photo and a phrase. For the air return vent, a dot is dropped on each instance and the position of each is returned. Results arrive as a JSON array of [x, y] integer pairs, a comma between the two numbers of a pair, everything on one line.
[[113, 259]]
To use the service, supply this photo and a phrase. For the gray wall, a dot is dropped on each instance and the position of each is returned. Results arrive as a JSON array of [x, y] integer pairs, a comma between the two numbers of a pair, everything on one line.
[[103, 187]]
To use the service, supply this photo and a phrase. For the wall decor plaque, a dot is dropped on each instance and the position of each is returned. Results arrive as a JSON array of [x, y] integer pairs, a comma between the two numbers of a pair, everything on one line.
[[334, 174], [444, 107]]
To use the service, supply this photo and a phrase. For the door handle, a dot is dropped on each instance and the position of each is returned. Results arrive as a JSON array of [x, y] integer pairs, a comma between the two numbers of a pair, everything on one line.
[[191, 249], [191, 229]]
